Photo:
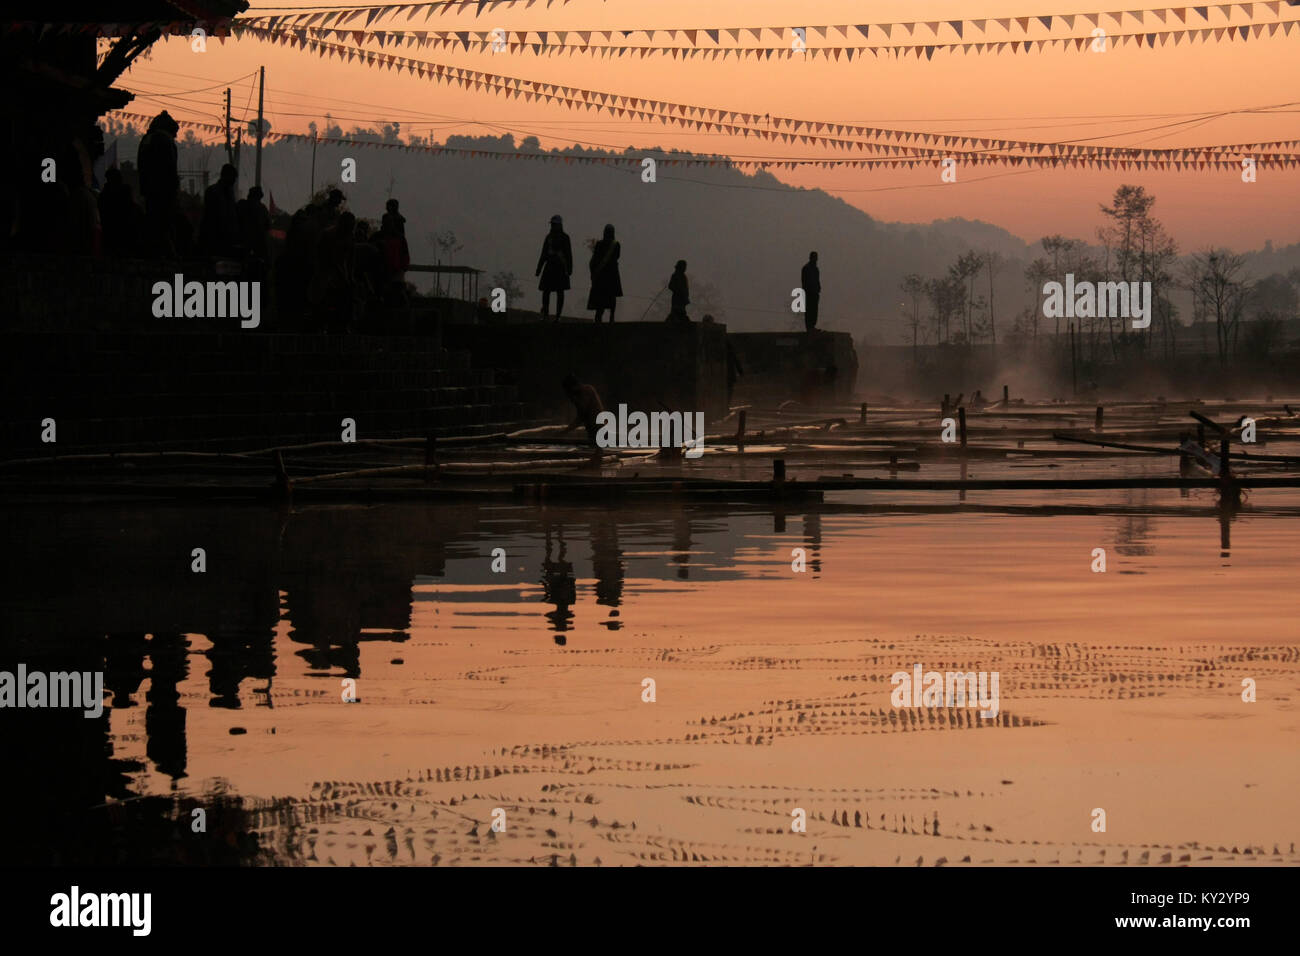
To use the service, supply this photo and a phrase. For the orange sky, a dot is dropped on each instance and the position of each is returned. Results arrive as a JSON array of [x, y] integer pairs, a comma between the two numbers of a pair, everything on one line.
[[1126, 96]]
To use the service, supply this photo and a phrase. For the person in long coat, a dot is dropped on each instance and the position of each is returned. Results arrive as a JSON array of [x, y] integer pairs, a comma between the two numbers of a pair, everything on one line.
[[555, 265], [606, 284], [159, 182]]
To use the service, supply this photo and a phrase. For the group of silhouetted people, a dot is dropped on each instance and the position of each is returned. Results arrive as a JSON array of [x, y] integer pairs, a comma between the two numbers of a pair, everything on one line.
[[335, 274], [334, 267], [229, 227], [555, 266]]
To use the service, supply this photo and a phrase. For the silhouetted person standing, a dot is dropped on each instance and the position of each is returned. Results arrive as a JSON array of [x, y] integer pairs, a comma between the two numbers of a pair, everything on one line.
[[159, 181], [811, 283], [396, 253], [369, 273], [333, 207], [606, 284], [680, 287], [555, 265], [393, 222], [86, 231], [255, 228], [119, 216], [219, 227], [333, 290]]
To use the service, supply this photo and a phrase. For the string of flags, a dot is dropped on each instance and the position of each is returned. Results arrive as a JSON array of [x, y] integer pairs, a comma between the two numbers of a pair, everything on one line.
[[478, 41], [940, 32], [1262, 160], [1018, 25], [876, 140]]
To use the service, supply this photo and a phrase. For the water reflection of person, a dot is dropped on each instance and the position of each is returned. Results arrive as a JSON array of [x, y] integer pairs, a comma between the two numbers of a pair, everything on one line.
[[812, 530], [559, 588], [164, 718], [682, 543], [607, 565]]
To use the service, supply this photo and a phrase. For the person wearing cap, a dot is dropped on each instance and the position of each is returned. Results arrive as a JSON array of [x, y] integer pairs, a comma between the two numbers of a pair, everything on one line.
[[160, 181], [554, 265]]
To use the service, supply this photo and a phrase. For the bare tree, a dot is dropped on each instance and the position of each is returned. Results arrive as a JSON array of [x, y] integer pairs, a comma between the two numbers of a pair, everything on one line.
[[992, 263], [1218, 281], [708, 299], [510, 283], [447, 245], [963, 273], [946, 296], [1059, 248], [913, 286], [1037, 274]]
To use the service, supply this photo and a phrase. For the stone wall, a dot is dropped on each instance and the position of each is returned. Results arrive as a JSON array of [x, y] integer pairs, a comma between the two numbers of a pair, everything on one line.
[[780, 366], [134, 390], [646, 365]]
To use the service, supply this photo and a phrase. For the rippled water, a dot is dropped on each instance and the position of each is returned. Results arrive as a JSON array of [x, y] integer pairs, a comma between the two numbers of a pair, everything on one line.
[[1120, 689]]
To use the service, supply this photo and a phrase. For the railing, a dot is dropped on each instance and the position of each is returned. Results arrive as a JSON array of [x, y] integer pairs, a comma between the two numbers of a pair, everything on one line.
[[468, 277]]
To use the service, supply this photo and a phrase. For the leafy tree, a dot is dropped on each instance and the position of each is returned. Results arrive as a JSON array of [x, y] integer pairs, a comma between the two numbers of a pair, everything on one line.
[[1275, 295]]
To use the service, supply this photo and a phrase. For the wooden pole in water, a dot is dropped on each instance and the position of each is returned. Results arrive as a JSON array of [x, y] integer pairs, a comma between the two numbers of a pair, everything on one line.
[[283, 486], [778, 473], [1230, 491], [1098, 423], [1006, 394], [862, 414], [961, 425], [740, 432], [943, 409]]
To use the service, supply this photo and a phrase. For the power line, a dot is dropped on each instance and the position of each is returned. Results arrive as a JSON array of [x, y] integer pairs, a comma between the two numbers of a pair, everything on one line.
[[1254, 110], [1196, 121]]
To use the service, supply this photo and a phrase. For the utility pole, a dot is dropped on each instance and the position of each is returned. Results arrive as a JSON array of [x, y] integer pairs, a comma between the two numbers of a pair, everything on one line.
[[230, 155], [314, 138], [261, 90], [1074, 372]]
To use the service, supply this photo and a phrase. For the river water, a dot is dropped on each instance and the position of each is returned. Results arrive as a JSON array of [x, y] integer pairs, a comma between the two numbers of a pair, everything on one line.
[[503, 659]]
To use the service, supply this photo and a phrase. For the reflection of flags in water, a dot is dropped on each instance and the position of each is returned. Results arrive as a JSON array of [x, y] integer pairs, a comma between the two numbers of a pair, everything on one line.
[[103, 164]]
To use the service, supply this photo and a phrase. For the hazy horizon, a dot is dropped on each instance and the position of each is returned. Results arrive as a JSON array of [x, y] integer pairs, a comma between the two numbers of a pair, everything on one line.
[[1136, 97]]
